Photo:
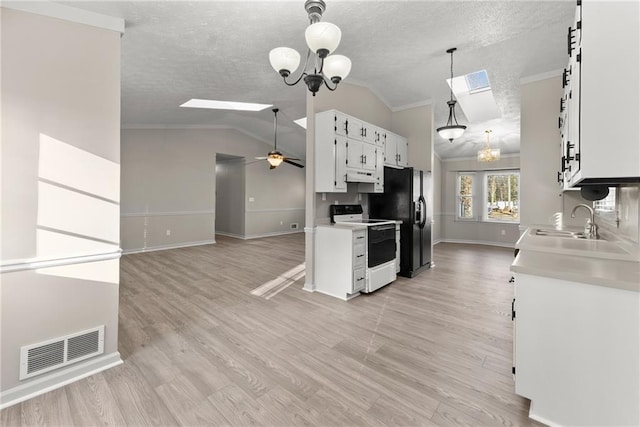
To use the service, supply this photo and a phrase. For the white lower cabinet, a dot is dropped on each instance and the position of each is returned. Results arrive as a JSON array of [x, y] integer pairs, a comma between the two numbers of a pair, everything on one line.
[[577, 351], [340, 264]]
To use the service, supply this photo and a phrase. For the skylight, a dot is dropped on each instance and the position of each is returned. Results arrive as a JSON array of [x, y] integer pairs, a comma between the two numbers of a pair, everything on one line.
[[224, 105], [475, 97], [477, 81]]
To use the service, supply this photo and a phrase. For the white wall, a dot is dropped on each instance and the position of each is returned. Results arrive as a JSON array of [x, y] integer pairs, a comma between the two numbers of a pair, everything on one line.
[[169, 183], [60, 190], [540, 148], [473, 231]]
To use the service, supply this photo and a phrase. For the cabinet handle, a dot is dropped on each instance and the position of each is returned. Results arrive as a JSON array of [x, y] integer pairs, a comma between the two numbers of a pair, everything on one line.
[[365, 159], [570, 147], [359, 279], [346, 125], [359, 237], [560, 177], [565, 77], [562, 101], [359, 256], [570, 42]]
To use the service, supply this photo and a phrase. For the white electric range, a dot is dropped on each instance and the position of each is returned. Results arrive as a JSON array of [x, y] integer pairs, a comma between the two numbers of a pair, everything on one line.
[[382, 249]]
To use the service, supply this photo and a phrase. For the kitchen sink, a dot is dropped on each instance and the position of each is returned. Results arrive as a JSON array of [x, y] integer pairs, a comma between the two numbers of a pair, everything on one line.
[[552, 232]]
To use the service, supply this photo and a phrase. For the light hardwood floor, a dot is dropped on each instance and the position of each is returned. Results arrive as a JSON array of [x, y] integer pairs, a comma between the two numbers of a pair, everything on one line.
[[200, 349]]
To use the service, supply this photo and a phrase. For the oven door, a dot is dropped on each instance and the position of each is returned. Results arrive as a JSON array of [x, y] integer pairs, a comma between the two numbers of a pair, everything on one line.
[[381, 244]]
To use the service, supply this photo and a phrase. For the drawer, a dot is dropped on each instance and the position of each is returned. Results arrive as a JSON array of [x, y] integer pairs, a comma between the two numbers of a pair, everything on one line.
[[359, 250], [359, 279], [359, 236]]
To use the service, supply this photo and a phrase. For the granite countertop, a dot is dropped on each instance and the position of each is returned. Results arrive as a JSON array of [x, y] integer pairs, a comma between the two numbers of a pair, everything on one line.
[[606, 263]]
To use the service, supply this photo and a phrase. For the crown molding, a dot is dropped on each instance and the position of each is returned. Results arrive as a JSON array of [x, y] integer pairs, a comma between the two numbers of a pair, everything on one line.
[[67, 13], [424, 103]]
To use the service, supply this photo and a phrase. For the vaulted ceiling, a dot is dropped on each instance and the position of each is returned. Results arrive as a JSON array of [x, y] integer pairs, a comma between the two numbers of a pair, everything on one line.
[[173, 51]]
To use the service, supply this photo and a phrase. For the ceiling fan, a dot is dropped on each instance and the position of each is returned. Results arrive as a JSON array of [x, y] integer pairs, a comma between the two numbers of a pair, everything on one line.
[[275, 157]]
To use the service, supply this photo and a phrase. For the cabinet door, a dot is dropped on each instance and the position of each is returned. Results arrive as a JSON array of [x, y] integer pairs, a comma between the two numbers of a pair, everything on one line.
[[359, 279], [369, 156], [340, 156], [402, 149], [341, 124], [390, 154], [354, 128], [369, 133], [355, 157]]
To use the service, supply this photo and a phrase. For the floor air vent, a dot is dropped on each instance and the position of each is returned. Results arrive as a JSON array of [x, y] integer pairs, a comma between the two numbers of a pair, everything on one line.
[[46, 356]]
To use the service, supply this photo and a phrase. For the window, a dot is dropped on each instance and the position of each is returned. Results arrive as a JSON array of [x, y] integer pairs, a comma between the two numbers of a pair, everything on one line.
[[492, 196], [502, 196], [465, 196], [608, 204]]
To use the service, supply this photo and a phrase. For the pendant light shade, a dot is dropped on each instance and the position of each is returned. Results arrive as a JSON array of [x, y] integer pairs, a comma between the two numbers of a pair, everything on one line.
[[284, 59], [322, 38], [319, 68], [452, 129], [337, 67]]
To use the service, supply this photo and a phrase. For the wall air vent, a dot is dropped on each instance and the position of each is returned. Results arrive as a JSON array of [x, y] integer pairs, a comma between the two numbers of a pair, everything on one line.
[[36, 359]]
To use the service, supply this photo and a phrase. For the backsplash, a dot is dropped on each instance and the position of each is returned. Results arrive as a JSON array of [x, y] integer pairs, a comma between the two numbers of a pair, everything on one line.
[[628, 205], [351, 197]]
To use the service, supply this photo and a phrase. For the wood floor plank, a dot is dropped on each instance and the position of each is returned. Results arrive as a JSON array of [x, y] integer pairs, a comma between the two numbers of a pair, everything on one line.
[[200, 349]]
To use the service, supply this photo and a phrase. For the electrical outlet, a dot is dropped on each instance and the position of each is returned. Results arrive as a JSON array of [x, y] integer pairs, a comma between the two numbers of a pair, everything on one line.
[[252, 199], [293, 226], [502, 232], [168, 232], [324, 196], [281, 222]]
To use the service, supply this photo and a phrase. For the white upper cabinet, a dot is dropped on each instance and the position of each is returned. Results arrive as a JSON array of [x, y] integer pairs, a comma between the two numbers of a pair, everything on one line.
[[600, 108], [396, 149], [350, 150]]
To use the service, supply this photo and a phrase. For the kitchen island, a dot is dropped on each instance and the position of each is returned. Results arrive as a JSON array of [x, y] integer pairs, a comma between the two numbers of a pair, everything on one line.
[[577, 329]]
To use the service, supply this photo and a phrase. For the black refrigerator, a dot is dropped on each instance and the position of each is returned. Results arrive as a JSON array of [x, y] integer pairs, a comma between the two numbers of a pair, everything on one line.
[[407, 196]]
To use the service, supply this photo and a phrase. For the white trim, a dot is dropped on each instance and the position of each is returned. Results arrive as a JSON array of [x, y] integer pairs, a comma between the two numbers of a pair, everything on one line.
[[541, 76], [502, 156], [235, 236], [435, 242], [479, 242], [58, 379], [67, 13], [47, 263], [164, 247], [540, 419], [273, 210], [176, 213], [424, 103], [271, 234]]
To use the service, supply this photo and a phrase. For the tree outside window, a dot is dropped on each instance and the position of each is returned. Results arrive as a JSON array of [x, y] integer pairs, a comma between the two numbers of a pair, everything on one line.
[[502, 196], [465, 196]]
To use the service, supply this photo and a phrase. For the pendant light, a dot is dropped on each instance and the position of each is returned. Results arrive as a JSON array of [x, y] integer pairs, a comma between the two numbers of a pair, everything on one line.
[[452, 129], [488, 154], [322, 39]]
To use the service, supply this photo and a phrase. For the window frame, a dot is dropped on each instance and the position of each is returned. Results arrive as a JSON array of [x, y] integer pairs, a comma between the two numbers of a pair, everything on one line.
[[479, 196], [485, 193]]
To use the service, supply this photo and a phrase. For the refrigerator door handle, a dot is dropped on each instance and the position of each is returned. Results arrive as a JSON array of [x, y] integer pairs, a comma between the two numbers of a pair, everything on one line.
[[423, 211], [417, 213]]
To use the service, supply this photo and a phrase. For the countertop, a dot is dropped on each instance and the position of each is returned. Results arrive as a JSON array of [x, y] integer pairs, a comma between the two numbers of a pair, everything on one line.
[[606, 263]]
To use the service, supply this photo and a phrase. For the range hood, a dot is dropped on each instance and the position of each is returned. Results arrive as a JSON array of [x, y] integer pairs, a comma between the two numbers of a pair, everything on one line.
[[359, 176]]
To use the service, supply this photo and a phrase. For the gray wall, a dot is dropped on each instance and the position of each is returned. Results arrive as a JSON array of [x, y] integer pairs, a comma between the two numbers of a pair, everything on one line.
[[416, 124], [230, 195], [473, 231], [169, 183], [60, 190]]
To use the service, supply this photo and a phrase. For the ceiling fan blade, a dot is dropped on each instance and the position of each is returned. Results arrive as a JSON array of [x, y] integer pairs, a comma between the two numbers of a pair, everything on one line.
[[293, 163], [292, 158], [261, 158]]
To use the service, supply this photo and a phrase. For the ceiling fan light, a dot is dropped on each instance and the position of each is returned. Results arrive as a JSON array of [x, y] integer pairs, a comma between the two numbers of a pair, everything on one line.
[[284, 60], [451, 132], [322, 38], [274, 161], [337, 66]]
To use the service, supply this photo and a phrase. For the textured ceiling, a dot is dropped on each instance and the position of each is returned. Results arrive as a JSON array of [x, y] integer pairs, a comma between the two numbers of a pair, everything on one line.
[[175, 51]]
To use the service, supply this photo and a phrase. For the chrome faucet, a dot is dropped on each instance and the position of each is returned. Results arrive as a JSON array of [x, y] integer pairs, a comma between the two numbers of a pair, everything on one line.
[[590, 228]]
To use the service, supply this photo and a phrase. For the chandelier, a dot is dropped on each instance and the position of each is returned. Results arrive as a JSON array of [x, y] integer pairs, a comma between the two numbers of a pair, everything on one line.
[[322, 39], [451, 131], [488, 154]]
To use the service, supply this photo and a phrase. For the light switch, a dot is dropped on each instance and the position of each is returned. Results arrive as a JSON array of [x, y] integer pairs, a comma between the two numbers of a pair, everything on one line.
[[252, 199]]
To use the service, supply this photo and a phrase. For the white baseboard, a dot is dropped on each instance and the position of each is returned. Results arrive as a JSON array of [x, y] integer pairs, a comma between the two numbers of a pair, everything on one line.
[[164, 247], [233, 235], [479, 242], [58, 379], [437, 241], [259, 236]]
